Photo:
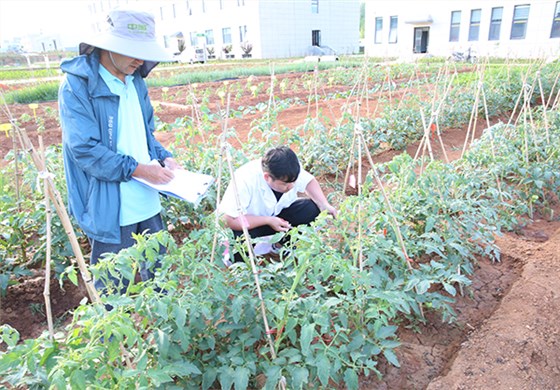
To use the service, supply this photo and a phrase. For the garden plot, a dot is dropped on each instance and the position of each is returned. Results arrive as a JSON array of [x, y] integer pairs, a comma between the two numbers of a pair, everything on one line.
[[394, 263]]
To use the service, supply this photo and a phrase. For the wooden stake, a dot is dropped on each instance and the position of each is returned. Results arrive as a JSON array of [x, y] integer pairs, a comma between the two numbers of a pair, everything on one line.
[[47, 289]]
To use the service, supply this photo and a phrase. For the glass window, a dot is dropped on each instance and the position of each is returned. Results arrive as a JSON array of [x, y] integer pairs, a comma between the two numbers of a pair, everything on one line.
[[495, 23], [226, 35], [519, 23], [194, 40], [474, 26], [393, 29], [455, 26], [555, 33], [209, 37], [242, 33], [378, 29], [314, 6]]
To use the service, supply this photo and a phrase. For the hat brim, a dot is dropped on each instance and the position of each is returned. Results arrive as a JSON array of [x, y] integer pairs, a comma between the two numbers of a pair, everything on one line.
[[146, 51]]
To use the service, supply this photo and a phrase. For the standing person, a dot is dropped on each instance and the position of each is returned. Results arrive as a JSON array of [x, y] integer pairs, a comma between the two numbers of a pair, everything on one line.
[[268, 195], [107, 135]]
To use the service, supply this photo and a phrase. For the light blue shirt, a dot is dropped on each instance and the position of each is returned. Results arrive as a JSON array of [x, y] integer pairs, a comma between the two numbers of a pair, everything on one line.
[[138, 202]]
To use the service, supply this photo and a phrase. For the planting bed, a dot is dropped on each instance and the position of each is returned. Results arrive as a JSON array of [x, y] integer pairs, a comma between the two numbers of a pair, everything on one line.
[[506, 335]]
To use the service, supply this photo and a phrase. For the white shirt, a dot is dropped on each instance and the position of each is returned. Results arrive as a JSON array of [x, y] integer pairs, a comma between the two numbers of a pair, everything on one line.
[[256, 196]]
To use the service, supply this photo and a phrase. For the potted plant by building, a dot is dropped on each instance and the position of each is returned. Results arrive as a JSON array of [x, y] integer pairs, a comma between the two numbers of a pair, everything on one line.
[[211, 52], [246, 47], [227, 51]]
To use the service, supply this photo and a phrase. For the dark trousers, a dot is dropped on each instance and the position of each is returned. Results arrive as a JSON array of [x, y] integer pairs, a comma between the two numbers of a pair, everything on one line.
[[302, 212], [98, 249]]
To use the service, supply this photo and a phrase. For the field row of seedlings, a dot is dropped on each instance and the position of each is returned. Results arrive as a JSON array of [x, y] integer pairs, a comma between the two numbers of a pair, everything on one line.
[[406, 243]]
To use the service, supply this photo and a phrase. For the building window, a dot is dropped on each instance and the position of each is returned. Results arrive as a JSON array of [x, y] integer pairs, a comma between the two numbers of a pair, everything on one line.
[[226, 35], [474, 26], [221, 4], [455, 26], [495, 23], [240, 3], [314, 6], [316, 37], [209, 37], [203, 6], [378, 30], [189, 9], [519, 23], [193, 37], [242, 33], [555, 33], [393, 29]]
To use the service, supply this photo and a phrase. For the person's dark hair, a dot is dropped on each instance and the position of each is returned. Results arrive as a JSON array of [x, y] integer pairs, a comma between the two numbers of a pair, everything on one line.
[[281, 163]]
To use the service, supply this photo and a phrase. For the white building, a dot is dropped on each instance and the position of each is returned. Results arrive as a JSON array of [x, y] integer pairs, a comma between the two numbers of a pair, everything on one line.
[[495, 28], [274, 28]]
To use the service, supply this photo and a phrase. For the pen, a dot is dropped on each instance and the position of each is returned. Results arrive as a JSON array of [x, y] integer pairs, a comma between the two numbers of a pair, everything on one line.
[[162, 163]]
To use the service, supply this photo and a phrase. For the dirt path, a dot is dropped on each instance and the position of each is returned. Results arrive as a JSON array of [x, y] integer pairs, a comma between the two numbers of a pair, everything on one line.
[[518, 346], [507, 334]]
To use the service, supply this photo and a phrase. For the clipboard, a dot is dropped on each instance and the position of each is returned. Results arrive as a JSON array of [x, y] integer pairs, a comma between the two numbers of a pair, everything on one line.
[[186, 185]]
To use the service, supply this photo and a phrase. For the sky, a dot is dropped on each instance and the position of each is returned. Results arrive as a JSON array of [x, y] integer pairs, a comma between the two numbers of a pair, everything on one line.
[[24, 17]]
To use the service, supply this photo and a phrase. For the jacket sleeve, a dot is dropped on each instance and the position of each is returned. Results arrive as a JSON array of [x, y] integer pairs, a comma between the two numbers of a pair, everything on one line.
[[83, 136]]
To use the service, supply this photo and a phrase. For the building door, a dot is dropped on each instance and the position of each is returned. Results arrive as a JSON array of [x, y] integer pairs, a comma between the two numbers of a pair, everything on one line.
[[316, 38], [421, 35]]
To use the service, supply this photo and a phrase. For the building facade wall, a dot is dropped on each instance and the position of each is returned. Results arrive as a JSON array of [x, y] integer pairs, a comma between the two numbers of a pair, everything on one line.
[[287, 26], [274, 28], [434, 16]]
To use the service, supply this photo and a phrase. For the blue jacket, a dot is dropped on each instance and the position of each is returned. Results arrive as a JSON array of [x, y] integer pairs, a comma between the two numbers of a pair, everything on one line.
[[89, 116]]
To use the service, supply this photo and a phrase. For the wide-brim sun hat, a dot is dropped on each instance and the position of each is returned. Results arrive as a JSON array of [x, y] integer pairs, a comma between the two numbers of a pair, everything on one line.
[[131, 33]]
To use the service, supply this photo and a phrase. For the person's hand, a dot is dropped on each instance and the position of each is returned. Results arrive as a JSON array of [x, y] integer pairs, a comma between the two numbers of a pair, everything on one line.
[[171, 163], [279, 224], [154, 173], [331, 210]]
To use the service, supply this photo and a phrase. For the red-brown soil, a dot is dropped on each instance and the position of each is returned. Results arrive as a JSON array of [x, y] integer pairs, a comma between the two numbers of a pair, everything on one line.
[[507, 333]]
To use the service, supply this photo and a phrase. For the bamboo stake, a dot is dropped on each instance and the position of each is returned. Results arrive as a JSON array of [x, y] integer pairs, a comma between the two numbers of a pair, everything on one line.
[[315, 83], [270, 95], [545, 116], [247, 237], [219, 178], [472, 120], [359, 184], [395, 224], [252, 262], [47, 289], [196, 112]]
